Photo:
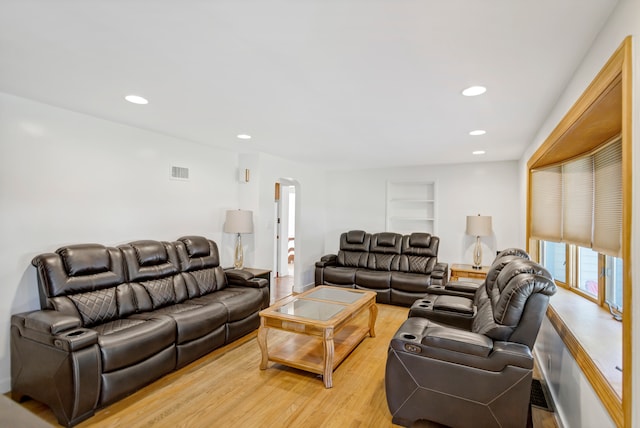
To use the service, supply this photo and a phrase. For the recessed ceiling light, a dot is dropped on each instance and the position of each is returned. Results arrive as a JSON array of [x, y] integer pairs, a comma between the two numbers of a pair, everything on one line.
[[479, 152], [478, 132], [244, 136], [474, 90], [136, 99]]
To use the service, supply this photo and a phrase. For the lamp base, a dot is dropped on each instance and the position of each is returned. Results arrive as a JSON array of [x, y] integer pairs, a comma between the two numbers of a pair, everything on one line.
[[476, 267], [477, 255], [238, 257]]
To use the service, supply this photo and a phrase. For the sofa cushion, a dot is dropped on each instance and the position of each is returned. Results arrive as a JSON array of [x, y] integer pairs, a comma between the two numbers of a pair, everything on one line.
[[148, 259], [370, 279], [417, 264], [420, 244], [240, 302], [124, 342], [354, 237], [196, 253], [386, 243], [85, 259], [69, 270], [204, 281], [340, 275], [192, 321], [96, 307], [411, 282]]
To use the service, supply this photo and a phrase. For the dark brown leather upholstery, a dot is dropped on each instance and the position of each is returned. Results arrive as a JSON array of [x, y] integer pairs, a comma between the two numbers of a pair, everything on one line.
[[473, 377], [116, 319], [398, 268], [467, 288]]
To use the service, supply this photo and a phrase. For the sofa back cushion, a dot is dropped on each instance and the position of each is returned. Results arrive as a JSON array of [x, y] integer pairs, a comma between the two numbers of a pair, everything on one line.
[[419, 253], [500, 312], [385, 251], [84, 280], [200, 264], [517, 281], [354, 249], [76, 269], [154, 273]]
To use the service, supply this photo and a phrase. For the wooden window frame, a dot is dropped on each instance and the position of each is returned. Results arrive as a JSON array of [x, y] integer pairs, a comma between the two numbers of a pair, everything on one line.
[[607, 102]]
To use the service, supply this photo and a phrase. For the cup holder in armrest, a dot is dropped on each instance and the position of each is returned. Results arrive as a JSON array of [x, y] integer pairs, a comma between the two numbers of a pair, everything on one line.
[[408, 336], [76, 339]]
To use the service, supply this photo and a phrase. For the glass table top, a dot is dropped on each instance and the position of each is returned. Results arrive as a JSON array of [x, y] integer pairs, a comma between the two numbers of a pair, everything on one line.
[[335, 295], [311, 309]]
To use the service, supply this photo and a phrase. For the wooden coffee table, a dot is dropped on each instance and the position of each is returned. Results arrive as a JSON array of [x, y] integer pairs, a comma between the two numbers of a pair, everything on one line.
[[321, 326]]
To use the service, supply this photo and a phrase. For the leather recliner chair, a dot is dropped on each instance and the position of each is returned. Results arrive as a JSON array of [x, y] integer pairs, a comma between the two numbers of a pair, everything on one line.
[[476, 377], [468, 287]]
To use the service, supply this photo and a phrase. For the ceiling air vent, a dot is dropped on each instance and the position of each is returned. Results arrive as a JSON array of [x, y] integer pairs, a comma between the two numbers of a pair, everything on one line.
[[179, 173]]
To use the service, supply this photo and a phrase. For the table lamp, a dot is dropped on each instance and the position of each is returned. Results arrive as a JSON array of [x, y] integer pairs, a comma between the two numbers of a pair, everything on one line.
[[478, 225], [239, 222]]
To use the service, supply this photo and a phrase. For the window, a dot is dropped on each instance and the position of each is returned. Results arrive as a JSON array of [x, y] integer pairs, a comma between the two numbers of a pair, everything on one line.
[[591, 274], [613, 281], [587, 271], [554, 258]]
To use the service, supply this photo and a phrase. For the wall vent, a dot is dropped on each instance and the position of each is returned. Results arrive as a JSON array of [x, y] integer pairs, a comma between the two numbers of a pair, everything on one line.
[[179, 173]]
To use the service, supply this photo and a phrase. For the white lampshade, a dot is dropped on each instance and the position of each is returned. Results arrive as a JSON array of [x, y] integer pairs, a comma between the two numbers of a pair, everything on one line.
[[239, 221], [479, 225]]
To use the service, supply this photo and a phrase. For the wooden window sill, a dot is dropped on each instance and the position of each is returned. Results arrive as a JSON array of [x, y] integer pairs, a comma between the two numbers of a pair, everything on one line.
[[594, 339]]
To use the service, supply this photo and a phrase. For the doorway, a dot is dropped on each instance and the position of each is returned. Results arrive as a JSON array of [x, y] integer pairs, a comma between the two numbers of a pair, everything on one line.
[[285, 236]]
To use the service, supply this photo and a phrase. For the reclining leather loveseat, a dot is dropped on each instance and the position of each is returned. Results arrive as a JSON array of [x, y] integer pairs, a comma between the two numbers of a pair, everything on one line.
[[115, 319], [400, 269], [476, 376]]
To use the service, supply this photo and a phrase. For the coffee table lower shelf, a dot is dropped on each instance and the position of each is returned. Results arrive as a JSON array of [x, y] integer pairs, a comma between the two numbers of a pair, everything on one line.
[[316, 330], [306, 352]]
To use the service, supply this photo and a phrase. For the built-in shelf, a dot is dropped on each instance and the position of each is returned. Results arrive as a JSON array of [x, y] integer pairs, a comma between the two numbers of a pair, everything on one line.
[[411, 207]]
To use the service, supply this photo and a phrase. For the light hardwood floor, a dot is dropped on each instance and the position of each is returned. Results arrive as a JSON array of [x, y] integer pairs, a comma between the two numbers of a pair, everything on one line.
[[227, 389]]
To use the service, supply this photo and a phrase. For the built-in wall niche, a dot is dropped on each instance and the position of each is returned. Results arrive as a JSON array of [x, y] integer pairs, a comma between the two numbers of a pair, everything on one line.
[[411, 207]]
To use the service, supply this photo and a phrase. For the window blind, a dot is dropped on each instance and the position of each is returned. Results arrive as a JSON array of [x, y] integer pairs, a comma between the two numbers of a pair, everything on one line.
[[546, 204], [577, 201], [607, 231], [580, 202]]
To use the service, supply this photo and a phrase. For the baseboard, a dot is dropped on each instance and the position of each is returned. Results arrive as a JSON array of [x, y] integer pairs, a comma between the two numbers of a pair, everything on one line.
[[301, 289]]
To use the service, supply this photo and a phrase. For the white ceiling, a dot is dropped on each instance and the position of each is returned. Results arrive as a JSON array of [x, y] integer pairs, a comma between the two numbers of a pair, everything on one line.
[[344, 83]]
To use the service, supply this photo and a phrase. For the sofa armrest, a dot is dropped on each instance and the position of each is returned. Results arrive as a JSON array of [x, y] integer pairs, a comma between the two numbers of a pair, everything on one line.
[[243, 278], [455, 311], [431, 340], [52, 328], [440, 274], [327, 260]]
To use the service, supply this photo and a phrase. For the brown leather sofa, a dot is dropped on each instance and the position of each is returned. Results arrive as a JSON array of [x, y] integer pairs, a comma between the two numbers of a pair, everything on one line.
[[116, 319], [476, 376], [399, 268]]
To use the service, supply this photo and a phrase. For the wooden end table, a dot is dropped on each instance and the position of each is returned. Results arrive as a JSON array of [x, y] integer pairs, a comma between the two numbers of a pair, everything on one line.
[[459, 271]]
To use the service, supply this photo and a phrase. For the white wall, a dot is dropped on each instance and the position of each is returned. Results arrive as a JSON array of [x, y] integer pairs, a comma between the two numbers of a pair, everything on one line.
[[310, 211], [356, 200], [622, 22], [70, 178]]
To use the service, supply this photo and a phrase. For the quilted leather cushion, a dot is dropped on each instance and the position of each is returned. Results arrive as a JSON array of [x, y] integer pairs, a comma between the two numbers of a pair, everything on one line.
[[340, 275], [240, 302], [161, 291], [415, 283], [96, 307], [373, 279], [192, 321], [127, 341]]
